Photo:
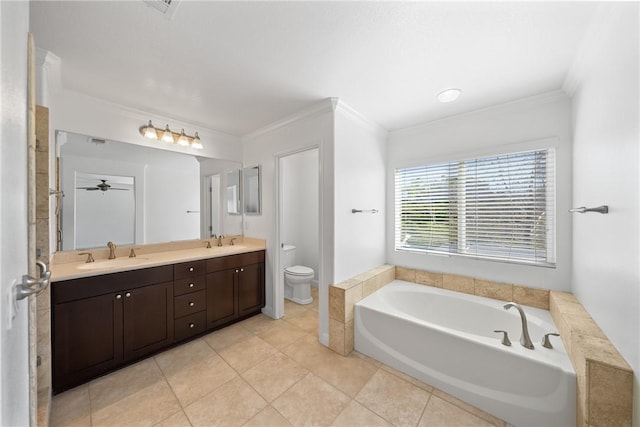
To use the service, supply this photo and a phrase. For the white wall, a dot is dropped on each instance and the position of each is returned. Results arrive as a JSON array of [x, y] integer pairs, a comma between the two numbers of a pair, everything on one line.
[[359, 179], [300, 206], [518, 125], [308, 129], [606, 252], [14, 356]]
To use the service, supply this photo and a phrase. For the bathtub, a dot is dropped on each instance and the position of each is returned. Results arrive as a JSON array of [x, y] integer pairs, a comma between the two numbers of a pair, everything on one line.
[[446, 339]]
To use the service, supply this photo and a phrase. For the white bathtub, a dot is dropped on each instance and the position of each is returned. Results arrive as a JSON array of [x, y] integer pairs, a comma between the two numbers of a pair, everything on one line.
[[446, 339]]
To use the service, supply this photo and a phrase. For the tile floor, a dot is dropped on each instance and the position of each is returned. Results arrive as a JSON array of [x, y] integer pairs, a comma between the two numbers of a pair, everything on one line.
[[261, 372]]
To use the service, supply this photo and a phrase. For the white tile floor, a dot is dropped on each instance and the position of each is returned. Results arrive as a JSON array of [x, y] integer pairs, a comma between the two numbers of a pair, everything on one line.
[[261, 372]]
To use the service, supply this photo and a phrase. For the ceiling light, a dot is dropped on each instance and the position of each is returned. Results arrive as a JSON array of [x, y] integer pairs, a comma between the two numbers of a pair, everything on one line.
[[150, 131], [449, 95], [167, 136]]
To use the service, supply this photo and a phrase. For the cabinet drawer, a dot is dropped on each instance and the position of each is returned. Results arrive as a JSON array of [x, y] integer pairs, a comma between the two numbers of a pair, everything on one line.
[[189, 284], [190, 325], [189, 269], [189, 303], [232, 261]]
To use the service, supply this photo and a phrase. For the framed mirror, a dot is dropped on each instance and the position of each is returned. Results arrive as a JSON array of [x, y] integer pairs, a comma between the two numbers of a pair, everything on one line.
[[233, 192], [251, 190]]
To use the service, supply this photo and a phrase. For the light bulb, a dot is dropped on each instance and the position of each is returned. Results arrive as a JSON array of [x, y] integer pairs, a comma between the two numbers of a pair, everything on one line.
[[150, 131], [183, 140], [195, 143], [167, 136], [449, 95]]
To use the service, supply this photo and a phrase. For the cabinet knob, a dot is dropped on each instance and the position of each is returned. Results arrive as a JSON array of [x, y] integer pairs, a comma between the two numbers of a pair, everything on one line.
[[118, 296], [190, 268], [128, 294], [191, 285], [242, 269], [191, 325], [237, 270], [191, 304]]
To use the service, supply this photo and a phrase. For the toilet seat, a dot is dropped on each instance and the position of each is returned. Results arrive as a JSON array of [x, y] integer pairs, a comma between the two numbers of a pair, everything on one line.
[[299, 270]]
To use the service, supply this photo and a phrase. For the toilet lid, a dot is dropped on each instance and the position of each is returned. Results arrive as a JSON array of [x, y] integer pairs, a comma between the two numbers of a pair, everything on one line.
[[299, 270]]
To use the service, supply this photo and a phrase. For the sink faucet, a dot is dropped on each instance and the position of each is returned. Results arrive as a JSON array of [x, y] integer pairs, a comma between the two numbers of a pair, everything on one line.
[[525, 340], [112, 250], [220, 237]]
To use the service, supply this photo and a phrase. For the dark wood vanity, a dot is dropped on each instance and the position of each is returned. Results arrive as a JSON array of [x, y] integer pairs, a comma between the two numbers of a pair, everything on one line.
[[103, 322]]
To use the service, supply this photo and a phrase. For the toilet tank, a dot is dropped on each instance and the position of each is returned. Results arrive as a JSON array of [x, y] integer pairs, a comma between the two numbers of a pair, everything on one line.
[[289, 256]]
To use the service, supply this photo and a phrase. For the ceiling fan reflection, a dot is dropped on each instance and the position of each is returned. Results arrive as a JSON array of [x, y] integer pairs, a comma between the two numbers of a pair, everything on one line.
[[102, 186]]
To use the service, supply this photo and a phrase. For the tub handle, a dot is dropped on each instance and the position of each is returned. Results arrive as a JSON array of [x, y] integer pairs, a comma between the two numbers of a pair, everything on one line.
[[546, 343], [505, 337]]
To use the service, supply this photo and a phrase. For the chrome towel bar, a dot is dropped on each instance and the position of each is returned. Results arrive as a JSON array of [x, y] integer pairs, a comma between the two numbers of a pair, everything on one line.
[[364, 210], [600, 209]]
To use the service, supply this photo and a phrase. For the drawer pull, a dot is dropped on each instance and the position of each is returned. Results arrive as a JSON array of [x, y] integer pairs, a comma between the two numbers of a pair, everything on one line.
[[190, 268], [191, 285], [191, 325], [118, 296], [191, 304], [242, 269], [128, 294]]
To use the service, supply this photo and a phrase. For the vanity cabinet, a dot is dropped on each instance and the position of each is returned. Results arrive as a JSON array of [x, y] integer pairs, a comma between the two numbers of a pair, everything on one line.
[[190, 299], [103, 321]]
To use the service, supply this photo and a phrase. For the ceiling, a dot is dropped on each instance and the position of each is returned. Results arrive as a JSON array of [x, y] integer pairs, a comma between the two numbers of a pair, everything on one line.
[[239, 66]]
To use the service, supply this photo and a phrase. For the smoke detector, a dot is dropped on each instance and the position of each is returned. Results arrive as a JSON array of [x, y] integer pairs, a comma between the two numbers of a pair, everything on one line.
[[166, 7]]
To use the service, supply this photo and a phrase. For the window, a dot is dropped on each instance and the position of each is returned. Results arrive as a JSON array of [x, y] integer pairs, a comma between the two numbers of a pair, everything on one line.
[[498, 208]]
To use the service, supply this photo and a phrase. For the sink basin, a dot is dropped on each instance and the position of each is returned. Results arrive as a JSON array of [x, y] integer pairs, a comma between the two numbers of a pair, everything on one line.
[[113, 263]]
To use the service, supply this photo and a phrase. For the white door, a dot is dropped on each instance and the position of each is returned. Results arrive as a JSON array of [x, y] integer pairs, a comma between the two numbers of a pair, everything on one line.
[[14, 354]]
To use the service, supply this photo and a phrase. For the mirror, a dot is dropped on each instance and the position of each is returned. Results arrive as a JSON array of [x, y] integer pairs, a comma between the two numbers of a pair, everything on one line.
[[164, 194], [233, 192], [251, 190]]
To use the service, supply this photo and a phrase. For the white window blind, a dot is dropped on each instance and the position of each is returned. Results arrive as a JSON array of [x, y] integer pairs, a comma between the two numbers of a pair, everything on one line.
[[498, 207]]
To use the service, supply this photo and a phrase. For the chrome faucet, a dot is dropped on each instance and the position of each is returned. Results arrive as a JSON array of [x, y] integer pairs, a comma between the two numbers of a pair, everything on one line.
[[220, 237], [525, 340], [112, 250]]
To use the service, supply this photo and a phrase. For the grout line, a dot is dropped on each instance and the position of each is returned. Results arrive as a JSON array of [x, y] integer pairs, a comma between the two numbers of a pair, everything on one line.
[[424, 410]]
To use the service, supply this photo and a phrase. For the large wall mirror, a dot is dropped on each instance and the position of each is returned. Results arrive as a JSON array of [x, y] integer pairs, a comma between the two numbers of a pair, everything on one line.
[[130, 194]]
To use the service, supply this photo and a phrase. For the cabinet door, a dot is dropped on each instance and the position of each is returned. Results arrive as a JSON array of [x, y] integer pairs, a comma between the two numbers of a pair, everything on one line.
[[250, 289], [87, 338], [148, 319], [221, 297]]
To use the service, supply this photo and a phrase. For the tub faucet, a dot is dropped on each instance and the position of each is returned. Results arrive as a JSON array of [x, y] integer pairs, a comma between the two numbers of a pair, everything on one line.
[[525, 340], [112, 250]]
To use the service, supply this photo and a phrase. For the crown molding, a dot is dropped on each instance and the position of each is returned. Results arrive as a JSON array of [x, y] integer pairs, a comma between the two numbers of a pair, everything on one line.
[[534, 100], [52, 64], [355, 115], [315, 109]]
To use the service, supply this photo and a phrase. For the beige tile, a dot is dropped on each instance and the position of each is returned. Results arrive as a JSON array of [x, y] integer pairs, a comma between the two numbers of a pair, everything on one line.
[[347, 284], [42, 162], [599, 350], [389, 275], [560, 296], [146, 407], [179, 419], [293, 309], [311, 402], [351, 297], [371, 360], [583, 326], [124, 383], [408, 274], [336, 303], [232, 404], [308, 352], [347, 374], [572, 309], [371, 285], [532, 297], [492, 420], [226, 337], [307, 321], [258, 324], [268, 417], [357, 415], [282, 334], [428, 278], [444, 414], [247, 353], [488, 289], [407, 378], [610, 393], [42, 195], [71, 408], [336, 336], [393, 399], [348, 337], [193, 370], [274, 375], [458, 283]]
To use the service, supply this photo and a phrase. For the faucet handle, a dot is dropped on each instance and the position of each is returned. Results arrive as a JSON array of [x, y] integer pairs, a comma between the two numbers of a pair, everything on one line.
[[546, 343], [132, 254], [208, 244], [89, 256], [232, 240], [505, 337]]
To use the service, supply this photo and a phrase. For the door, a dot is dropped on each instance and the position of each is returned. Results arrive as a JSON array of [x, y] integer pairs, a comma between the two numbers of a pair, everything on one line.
[[14, 354], [148, 319], [221, 301], [250, 289]]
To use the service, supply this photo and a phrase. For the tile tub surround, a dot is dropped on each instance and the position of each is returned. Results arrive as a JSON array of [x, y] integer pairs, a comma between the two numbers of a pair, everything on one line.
[[605, 380], [342, 299], [261, 372]]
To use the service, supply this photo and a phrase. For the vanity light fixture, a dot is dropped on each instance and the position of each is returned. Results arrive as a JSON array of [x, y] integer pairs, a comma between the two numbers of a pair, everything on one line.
[[167, 135], [449, 95]]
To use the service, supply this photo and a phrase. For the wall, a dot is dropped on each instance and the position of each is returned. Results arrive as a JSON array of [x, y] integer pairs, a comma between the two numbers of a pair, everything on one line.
[[524, 124], [606, 253], [360, 151], [310, 128], [300, 206], [229, 224]]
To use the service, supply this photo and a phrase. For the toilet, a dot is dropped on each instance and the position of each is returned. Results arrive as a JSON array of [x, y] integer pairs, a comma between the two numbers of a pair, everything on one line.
[[297, 278]]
